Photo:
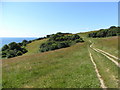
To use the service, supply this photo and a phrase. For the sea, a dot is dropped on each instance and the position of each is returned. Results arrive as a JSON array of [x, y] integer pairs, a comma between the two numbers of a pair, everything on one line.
[[7, 40]]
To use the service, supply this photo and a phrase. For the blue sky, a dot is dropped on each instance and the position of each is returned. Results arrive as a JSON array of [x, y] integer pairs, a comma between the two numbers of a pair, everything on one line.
[[37, 19]]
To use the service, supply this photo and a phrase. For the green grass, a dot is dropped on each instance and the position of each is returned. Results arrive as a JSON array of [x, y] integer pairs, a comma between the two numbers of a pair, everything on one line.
[[107, 69], [109, 44], [33, 47], [65, 68]]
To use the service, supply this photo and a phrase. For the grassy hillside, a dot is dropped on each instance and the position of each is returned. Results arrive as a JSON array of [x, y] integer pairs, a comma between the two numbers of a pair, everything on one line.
[[108, 70], [69, 67], [109, 44], [33, 47], [64, 68], [85, 34]]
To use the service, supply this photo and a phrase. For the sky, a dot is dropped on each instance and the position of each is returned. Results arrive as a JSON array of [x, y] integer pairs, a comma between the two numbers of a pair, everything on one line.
[[37, 19]]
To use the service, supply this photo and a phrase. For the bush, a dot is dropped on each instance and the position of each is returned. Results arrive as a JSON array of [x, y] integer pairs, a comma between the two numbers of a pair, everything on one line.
[[24, 42], [24, 50], [12, 50], [79, 40], [5, 47], [10, 54], [19, 53], [112, 31], [60, 40], [3, 54], [14, 45]]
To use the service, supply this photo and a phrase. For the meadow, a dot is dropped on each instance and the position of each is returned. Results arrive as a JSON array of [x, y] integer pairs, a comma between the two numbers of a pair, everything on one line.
[[109, 44], [64, 68]]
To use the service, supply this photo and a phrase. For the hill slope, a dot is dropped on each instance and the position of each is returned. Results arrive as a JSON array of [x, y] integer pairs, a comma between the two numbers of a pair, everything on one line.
[[68, 67], [64, 68], [33, 47]]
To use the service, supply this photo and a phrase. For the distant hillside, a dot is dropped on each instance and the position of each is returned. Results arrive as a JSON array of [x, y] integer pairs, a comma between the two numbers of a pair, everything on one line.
[[112, 31]]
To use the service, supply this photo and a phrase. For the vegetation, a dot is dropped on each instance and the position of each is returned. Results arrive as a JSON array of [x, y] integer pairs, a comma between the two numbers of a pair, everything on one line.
[[60, 40], [13, 49], [33, 48], [112, 31], [64, 68], [107, 69], [109, 44]]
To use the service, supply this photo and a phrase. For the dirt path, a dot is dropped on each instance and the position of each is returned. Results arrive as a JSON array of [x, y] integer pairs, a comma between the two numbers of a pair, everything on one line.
[[117, 64], [106, 55], [109, 54], [106, 52], [97, 72]]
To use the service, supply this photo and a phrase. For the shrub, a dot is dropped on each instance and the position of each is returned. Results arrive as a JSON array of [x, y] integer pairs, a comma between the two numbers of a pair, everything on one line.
[[24, 42], [19, 53], [14, 45], [12, 50], [3, 54], [5, 47], [60, 40], [112, 31], [24, 50], [79, 40], [10, 54]]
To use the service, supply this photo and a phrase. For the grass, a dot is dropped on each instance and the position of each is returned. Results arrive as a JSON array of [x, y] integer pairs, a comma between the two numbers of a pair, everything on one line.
[[109, 44], [65, 68], [107, 69], [33, 47]]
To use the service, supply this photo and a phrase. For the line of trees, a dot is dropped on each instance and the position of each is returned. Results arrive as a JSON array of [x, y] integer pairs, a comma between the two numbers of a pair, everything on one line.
[[60, 40], [112, 31]]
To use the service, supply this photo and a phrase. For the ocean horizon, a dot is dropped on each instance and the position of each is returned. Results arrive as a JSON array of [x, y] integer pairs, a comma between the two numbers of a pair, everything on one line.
[[7, 40]]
